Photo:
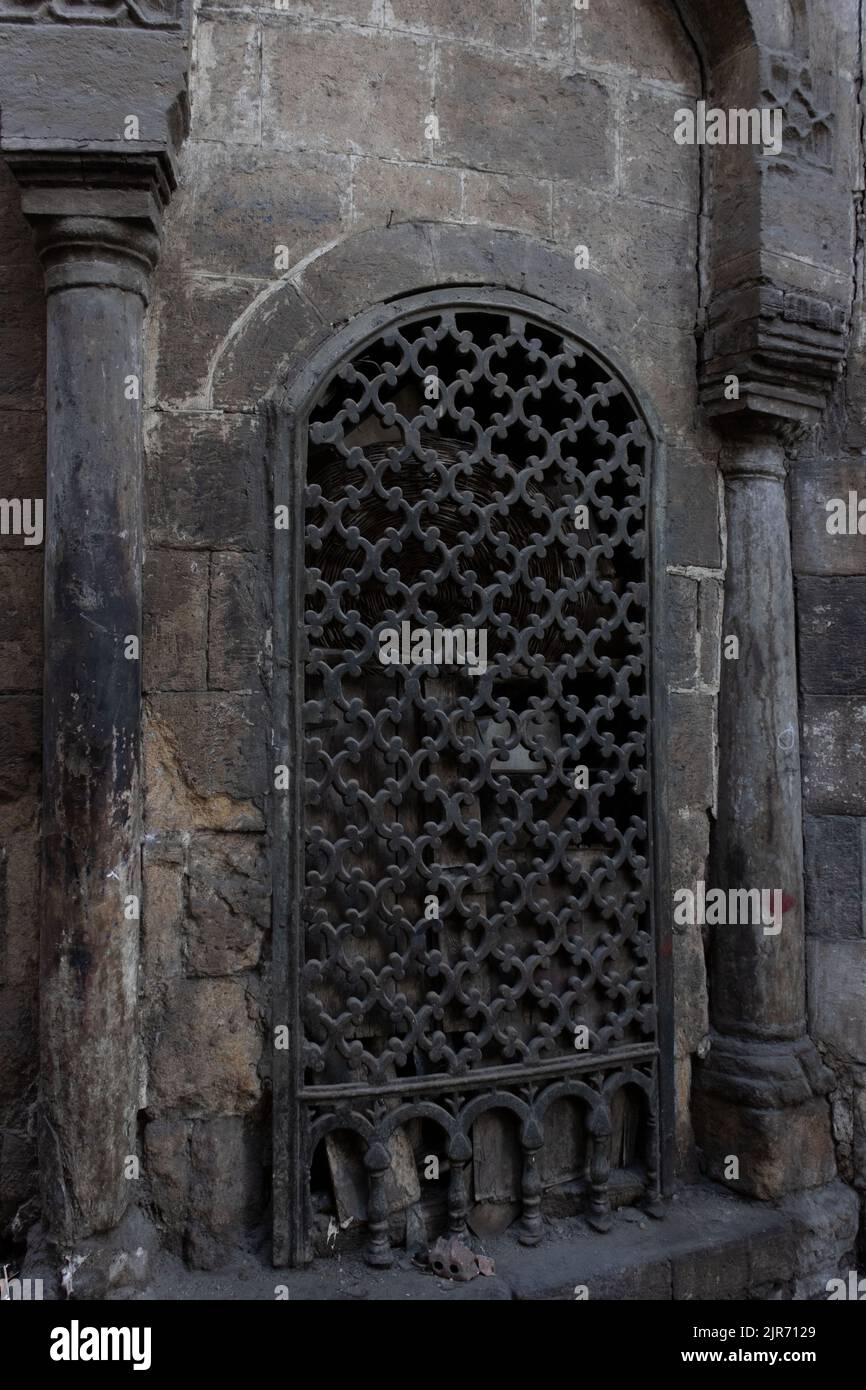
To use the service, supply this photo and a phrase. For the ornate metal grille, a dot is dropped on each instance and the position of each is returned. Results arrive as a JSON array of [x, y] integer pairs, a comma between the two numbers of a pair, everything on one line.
[[472, 866]]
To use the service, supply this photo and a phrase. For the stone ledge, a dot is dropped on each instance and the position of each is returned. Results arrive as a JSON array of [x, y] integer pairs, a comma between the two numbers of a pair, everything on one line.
[[710, 1245]]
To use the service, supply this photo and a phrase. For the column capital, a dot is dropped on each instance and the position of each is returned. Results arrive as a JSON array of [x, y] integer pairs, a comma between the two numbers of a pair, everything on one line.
[[758, 454], [96, 218]]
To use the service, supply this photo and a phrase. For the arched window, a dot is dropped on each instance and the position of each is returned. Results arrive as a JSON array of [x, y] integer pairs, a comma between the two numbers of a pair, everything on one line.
[[469, 849]]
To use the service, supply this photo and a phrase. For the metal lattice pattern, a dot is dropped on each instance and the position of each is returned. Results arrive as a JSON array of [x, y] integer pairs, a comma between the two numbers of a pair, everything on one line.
[[476, 862]]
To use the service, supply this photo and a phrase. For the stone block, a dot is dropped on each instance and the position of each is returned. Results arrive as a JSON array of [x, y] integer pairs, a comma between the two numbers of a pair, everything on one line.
[[508, 115], [833, 751], [19, 910], [836, 973], [842, 1116], [164, 870], [779, 1151], [835, 853], [647, 250], [236, 205], [174, 646], [689, 849], [238, 634], [387, 192], [554, 32], [647, 1283], [521, 203], [167, 1169], [710, 610], [113, 1263], [814, 483], [16, 238], [206, 483], [825, 1233], [664, 362], [772, 1258], [690, 754], [277, 336], [690, 988], [855, 423], [229, 904], [22, 461], [345, 92], [647, 39], [20, 761], [190, 319], [21, 619], [19, 1180], [92, 87], [809, 223], [205, 1055], [710, 1275], [226, 1190], [859, 1130], [681, 616], [475, 256], [832, 626], [18, 1043], [654, 168], [502, 23], [685, 1156], [206, 762], [227, 91], [368, 268], [22, 343]]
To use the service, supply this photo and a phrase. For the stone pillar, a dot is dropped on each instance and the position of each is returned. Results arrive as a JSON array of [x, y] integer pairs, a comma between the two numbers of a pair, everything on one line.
[[96, 275], [759, 1095]]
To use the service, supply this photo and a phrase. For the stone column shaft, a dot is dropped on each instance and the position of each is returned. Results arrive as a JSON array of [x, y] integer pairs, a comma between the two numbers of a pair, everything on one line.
[[96, 276], [758, 978], [759, 1095]]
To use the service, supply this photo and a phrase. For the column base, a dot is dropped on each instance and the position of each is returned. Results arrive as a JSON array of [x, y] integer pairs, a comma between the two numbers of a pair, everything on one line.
[[763, 1105]]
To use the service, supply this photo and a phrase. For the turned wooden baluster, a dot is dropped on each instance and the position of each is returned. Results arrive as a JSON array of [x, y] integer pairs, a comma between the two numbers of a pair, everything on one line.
[[377, 1161], [531, 1226], [600, 1128], [459, 1154]]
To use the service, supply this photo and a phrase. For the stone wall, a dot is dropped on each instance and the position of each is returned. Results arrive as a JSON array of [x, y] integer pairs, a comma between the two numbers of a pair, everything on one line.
[[553, 127], [831, 592], [347, 151], [22, 475]]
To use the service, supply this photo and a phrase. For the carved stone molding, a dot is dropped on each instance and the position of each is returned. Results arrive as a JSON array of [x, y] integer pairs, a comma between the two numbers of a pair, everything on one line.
[[65, 184], [806, 103], [150, 14], [785, 348]]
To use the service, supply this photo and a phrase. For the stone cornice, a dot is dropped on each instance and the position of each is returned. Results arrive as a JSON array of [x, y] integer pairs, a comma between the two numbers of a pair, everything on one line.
[[62, 183], [148, 14]]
